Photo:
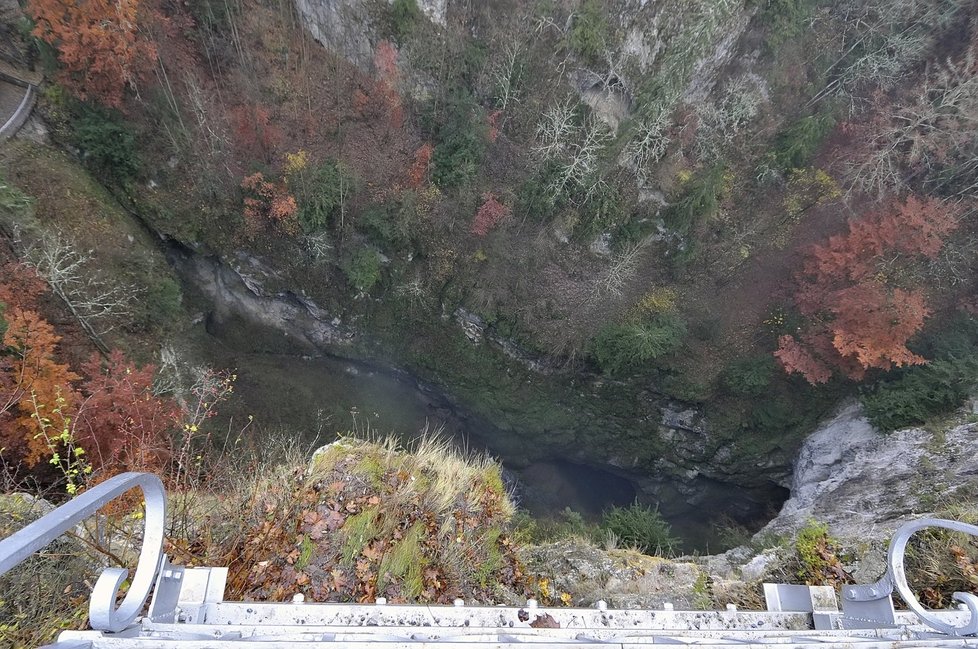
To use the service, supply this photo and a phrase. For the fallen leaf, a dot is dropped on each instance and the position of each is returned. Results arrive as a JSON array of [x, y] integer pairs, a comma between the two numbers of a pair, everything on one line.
[[545, 621]]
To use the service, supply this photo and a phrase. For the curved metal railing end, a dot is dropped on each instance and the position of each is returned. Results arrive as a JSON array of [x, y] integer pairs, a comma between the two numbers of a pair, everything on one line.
[[102, 612]]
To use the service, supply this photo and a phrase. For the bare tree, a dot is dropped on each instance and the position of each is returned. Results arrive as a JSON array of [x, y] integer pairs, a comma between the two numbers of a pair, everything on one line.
[[937, 130], [620, 271], [506, 74], [98, 303], [647, 146], [575, 149]]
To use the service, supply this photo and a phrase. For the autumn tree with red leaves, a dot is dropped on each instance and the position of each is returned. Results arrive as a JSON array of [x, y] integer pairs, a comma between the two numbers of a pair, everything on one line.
[[490, 213], [858, 320], [268, 204], [53, 417], [99, 44], [385, 63], [422, 162], [255, 133], [122, 424]]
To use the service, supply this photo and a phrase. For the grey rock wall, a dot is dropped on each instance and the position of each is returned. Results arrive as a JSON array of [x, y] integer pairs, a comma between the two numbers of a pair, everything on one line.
[[864, 484]]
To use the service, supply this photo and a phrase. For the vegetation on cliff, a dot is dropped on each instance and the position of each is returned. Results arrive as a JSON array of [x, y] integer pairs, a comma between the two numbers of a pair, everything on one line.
[[743, 208]]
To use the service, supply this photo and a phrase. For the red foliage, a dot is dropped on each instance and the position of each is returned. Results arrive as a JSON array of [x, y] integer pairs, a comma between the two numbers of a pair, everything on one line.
[[385, 61], [858, 322], [494, 119], [99, 45], [385, 89], [121, 424], [20, 286], [489, 215], [422, 161], [256, 134], [32, 382], [267, 203]]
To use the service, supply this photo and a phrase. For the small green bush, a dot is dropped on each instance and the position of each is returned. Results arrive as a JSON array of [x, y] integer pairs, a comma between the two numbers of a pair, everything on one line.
[[461, 135], [750, 376], [363, 269], [603, 212], [106, 145], [640, 526], [392, 225], [588, 35], [785, 20], [161, 304], [923, 392], [402, 19], [320, 193], [795, 145], [533, 199], [701, 200], [916, 394], [626, 346]]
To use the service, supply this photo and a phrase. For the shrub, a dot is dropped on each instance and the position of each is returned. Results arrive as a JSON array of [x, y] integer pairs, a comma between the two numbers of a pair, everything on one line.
[[620, 347], [363, 269], [817, 556], [402, 18], [490, 213], [921, 393], [160, 305], [534, 199], [588, 36], [319, 191], [640, 526], [700, 200], [461, 135], [785, 20], [750, 376], [795, 145], [106, 145]]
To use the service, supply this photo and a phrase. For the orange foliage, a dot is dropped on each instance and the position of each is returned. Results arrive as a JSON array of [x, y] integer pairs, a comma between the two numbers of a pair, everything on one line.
[[122, 425], [858, 322], [31, 382], [255, 133], [268, 203], [489, 215], [385, 89], [422, 161], [493, 119], [99, 45], [112, 419]]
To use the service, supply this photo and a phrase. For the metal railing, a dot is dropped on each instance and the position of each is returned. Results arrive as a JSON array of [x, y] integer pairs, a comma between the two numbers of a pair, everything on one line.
[[863, 606], [896, 578], [102, 612]]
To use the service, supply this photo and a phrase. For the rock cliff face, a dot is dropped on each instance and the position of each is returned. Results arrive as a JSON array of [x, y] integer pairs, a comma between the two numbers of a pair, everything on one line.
[[864, 484]]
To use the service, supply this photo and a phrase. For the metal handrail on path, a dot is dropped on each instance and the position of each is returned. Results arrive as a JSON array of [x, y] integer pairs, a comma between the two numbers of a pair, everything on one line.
[[187, 599], [103, 614]]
